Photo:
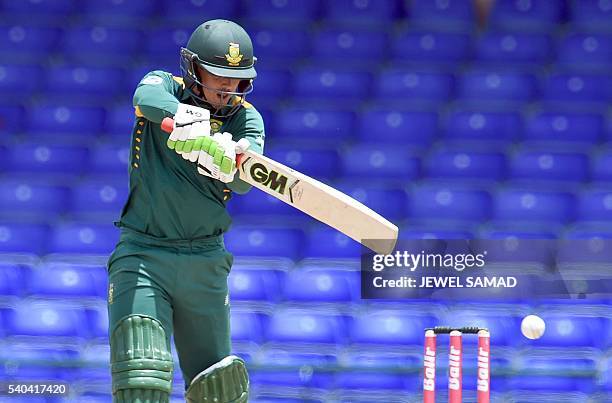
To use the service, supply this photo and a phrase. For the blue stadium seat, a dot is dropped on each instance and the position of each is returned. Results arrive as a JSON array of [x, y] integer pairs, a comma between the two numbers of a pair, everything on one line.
[[607, 375], [590, 13], [110, 9], [496, 86], [431, 46], [12, 84], [299, 326], [98, 322], [369, 12], [83, 238], [389, 328], [33, 157], [526, 13], [594, 205], [318, 162], [76, 81], [260, 204], [320, 83], [99, 196], [558, 125], [601, 165], [373, 359], [292, 360], [12, 279], [483, 126], [401, 126], [194, 12], [164, 42], [271, 44], [395, 85], [246, 241], [43, 7], [62, 280], [18, 237], [28, 42], [11, 118], [110, 159], [93, 397], [398, 85], [432, 201], [555, 385], [556, 369], [326, 242], [343, 46], [120, 121], [514, 47], [365, 161], [389, 201], [442, 13], [319, 124], [375, 380], [246, 327], [527, 205], [585, 49], [566, 330], [311, 285], [276, 399], [271, 84], [290, 378], [254, 284], [518, 230], [57, 120], [290, 11], [461, 162], [101, 44], [588, 247], [533, 164], [45, 319], [564, 87], [429, 230], [23, 353], [32, 199]]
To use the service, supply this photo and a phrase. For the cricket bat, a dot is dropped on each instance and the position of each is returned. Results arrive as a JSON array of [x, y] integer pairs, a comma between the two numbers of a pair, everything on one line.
[[318, 200]]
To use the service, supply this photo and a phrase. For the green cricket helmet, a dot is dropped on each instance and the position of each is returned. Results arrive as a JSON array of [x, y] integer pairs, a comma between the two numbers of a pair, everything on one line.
[[222, 48]]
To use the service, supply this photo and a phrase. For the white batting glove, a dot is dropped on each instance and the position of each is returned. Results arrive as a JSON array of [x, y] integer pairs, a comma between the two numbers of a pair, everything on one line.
[[218, 160], [191, 126]]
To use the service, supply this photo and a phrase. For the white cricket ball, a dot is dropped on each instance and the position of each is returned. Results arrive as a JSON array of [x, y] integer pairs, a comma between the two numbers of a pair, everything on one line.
[[533, 327]]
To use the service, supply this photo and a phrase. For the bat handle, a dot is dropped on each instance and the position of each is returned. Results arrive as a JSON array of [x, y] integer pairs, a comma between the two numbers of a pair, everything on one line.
[[167, 125]]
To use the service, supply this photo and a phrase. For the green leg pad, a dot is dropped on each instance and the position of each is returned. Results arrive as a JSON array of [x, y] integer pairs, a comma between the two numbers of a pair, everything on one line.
[[224, 382], [141, 396], [141, 361]]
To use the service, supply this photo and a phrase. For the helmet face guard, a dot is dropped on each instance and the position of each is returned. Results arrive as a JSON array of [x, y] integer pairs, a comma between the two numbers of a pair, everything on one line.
[[191, 64]]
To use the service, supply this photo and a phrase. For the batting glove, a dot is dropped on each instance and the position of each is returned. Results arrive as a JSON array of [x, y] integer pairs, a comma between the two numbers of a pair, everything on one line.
[[191, 127], [217, 158]]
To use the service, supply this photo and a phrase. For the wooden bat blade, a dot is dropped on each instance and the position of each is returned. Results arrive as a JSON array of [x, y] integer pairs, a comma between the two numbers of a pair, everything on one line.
[[316, 199], [320, 201]]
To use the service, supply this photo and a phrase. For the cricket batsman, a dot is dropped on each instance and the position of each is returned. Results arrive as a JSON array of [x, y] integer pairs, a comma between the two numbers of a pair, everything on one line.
[[168, 272]]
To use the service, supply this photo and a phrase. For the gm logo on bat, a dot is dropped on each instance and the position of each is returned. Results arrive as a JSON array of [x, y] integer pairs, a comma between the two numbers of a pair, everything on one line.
[[272, 179]]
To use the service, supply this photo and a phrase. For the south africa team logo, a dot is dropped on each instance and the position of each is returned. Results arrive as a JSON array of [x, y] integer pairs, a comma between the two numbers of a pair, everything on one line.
[[233, 56], [215, 125]]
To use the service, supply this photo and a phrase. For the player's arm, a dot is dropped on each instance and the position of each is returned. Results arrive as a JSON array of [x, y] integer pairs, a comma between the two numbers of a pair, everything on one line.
[[154, 98], [254, 132]]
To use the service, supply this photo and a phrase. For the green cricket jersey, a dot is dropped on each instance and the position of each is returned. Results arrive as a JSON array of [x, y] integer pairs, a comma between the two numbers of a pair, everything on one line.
[[168, 198]]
